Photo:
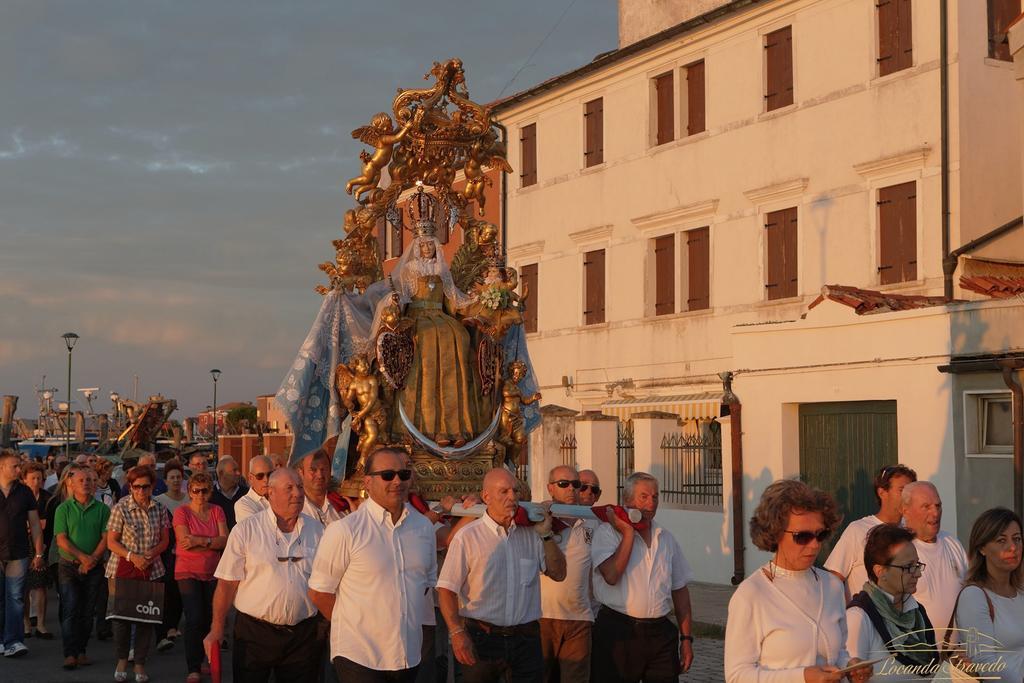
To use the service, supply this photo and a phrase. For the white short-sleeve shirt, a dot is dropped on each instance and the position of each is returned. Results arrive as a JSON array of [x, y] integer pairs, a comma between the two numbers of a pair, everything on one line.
[[847, 556], [270, 589], [569, 600], [249, 504], [380, 572], [645, 589], [495, 573], [945, 566], [325, 515]]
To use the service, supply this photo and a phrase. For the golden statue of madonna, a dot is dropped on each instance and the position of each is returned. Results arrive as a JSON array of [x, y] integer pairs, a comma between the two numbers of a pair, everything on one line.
[[420, 358]]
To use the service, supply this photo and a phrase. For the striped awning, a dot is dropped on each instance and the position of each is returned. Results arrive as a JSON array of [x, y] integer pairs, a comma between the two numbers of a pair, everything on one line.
[[686, 406]]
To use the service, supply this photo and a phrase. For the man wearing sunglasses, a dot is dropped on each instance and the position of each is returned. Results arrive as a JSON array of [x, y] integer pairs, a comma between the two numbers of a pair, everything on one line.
[[255, 499], [371, 573], [489, 588], [264, 574], [640, 578], [590, 488], [566, 612], [847, 557]]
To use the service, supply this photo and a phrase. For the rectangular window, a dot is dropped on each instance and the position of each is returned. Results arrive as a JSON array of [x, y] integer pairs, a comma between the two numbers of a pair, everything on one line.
[[781, 247], [1000, 14], [528, 155], [593, 286], [593, 118], [664, 275], [695, 98], [895, 37], [897, 233], [996, 425], [664, 116], [529, 290], [698, 269], [778, 51]]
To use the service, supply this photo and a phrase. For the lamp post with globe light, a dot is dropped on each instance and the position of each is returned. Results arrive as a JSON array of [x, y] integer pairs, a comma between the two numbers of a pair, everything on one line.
[[70, 338], [215, 374]]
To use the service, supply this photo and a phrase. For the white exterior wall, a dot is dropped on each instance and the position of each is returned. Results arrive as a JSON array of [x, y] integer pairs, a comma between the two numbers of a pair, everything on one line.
[[848, 133]]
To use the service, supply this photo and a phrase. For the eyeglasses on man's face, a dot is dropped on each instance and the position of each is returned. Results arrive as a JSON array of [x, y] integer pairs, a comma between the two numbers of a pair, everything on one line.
[[912, 568], [389, 475], [566, 483], [590, 487], [260, 476], [141, 487], [201, 491]]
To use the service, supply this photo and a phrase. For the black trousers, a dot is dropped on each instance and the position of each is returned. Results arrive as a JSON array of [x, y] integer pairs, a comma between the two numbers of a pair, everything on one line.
[[505, 658], [350, 672], [291, 653], [627, 650]]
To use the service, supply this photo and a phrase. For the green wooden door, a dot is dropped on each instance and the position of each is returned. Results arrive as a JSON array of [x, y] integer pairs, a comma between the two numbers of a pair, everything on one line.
[[842, 446]]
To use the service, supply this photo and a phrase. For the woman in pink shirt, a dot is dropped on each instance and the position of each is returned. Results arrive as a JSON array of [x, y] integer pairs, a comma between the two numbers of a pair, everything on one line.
[[202, 532]]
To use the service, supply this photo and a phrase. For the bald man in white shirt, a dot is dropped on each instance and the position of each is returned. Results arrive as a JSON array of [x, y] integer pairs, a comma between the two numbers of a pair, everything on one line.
[[489, 588]]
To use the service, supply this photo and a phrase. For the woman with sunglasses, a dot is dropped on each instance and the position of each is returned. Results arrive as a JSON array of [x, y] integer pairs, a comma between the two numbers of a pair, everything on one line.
[[992, 600], [787, 620], [137, 533], [201, 530], [884, 619]]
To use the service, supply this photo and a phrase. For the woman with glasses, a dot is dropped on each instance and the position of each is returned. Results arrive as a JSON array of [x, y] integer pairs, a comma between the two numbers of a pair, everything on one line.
[[137, 533], [884, 620], [787, 620], [992, 600], [201, 530]]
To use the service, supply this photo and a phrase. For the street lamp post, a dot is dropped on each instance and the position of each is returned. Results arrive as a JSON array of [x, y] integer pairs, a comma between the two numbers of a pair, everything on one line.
[[70, 338], [114, 396], [215, 373]]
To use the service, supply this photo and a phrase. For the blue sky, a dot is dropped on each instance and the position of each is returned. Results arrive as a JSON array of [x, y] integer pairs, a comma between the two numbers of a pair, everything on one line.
[[171, 173]]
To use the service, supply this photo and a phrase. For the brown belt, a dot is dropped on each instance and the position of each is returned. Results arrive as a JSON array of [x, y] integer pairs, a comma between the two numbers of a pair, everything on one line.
[[530, 628], [626, 619]]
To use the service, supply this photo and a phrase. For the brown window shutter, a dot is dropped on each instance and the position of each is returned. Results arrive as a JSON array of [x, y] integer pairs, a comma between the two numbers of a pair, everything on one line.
[[897, 233], [790, 254], [666, 109], [695, 98], [593, 266], [594, 126], [528, 155], [779, 68], [528, 284], [664, 275], [698, 251], [887, 21], [905, 35], [1000, 14]]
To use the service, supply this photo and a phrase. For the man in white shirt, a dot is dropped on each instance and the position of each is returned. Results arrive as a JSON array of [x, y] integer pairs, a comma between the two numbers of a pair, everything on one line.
[[590, 488], [489, 588], [370, 576], [264, 573], [847, 557], [944, 559], [315, 470], [255, 499], [640, 578], [566, 613]]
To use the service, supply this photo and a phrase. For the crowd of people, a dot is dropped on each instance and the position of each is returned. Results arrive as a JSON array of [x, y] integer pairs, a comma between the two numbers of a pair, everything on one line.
[[898, 599], [302, 584]]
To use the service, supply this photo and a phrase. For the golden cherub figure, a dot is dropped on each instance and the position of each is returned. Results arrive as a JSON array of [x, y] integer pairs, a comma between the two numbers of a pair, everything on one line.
[[382, 135], [512, 434], [359, 390], [485, 152]]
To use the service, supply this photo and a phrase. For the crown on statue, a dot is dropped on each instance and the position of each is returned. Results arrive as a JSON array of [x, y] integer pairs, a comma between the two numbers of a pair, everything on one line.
[[424, 209]]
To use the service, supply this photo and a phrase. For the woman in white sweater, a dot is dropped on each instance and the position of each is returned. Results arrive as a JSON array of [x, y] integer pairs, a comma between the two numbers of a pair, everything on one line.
[[992, 601], [787, 620]]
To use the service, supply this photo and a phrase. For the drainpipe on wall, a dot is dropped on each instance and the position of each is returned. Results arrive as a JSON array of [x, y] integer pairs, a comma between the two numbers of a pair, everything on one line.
[[736, 438], [948, 261], [504, 192], [1009, 376]]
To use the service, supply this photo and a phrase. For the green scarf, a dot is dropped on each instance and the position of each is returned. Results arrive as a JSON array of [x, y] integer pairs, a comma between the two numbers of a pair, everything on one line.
[[907, 626]]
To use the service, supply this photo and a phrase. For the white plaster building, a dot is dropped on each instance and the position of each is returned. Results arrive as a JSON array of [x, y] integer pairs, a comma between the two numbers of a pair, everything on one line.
[[684, 199]]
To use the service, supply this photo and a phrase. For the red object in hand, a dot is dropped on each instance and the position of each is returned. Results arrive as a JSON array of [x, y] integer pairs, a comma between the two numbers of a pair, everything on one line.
[[338, 502], [521, 518], [602, 514], [416, 500], [215, 663]]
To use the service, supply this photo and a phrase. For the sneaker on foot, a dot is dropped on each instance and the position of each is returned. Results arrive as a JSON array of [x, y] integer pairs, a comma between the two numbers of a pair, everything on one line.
[[15, 650], [165, 644]]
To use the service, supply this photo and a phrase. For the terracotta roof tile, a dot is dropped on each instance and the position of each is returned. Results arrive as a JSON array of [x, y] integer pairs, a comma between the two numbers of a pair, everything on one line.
[[870, 301], [997, 287]]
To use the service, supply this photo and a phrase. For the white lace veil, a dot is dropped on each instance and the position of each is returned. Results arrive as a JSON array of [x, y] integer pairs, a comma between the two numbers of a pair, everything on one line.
[[412, 266]]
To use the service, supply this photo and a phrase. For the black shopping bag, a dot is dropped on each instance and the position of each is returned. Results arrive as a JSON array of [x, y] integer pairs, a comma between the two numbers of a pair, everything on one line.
[[135, 600]]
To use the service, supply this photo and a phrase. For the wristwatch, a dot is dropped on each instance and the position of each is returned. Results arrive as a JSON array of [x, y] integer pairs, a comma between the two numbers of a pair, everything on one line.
[[547, 537], [683, 636]]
